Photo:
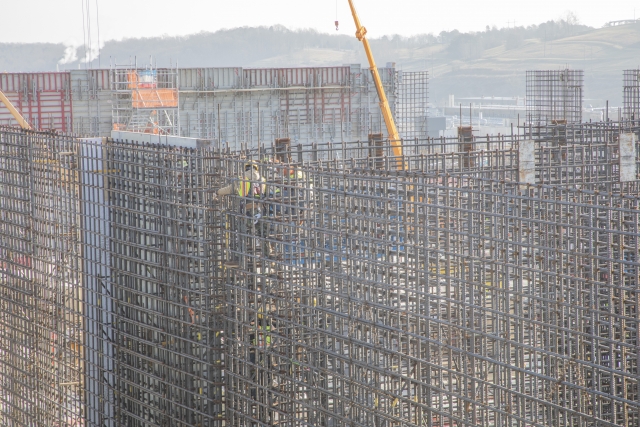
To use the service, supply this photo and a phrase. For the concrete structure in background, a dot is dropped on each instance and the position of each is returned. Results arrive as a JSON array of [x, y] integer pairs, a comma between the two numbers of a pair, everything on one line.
[[436, 126], [231, 105]]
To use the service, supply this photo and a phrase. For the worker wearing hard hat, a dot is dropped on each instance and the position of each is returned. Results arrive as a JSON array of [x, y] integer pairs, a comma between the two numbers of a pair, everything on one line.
[[247, 184], [252, 187], [294, 174]]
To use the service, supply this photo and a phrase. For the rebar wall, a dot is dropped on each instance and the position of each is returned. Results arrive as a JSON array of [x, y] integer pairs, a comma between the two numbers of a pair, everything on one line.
[[165, 247], [631, 95], [435, 300], [109, 285], [554, 96], [41, 295], [453, 293]]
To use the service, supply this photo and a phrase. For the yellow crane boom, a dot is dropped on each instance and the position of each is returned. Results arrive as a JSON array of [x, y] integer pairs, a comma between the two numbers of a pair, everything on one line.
[[394, 137], [14, 112]]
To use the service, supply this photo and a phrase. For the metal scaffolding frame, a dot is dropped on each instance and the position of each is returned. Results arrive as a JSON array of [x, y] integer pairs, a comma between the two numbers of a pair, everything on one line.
[[145, 100], [495, 285]]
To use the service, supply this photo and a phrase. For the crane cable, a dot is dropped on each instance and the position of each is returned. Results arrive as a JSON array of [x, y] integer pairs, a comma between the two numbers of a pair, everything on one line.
[[86, 32], [336, 15], [88, 58], [98, 24]]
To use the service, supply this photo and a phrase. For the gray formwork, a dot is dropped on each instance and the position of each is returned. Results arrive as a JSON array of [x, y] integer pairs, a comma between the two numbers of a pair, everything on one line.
[[233, 105]]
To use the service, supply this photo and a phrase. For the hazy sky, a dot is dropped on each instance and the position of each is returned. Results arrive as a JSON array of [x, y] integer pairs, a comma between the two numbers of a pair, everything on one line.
[[62, 20]]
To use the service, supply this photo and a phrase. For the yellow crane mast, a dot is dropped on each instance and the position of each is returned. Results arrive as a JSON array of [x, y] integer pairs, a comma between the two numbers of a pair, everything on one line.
[[394, 137], [14, 112]]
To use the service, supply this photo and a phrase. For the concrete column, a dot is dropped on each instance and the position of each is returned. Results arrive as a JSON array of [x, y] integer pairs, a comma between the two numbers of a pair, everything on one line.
[[526, 162], [628, 157]]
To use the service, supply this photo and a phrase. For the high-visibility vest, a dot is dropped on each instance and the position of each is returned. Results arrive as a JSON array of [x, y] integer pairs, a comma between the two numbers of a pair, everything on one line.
[[245, 188], [263, 336], [296, 174]]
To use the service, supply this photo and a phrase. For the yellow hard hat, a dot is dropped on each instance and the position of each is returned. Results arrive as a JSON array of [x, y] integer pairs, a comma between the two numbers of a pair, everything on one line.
[[250, 164]]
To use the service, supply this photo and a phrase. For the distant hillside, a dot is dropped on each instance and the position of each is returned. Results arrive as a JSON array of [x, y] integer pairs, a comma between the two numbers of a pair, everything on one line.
[[491, 62], [602, 53], [30, 56]]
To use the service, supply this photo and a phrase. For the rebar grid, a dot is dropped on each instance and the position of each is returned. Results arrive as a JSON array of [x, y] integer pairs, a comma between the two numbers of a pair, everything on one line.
[[430, 300], [572, 164], [631, 94], [165, 252], [554, 96], [580, 133], [352, 294], [411, 104], [41, 296]]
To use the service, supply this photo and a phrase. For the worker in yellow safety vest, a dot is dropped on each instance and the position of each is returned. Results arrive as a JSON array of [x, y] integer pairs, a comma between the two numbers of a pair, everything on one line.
[[252, 188], [247, 185]]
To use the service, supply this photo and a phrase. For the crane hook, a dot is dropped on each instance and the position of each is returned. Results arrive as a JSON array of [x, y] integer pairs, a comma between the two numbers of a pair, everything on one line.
[[336, 25]]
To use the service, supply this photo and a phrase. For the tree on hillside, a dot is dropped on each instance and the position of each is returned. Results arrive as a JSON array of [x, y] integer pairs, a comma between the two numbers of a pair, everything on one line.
[[466, 47]]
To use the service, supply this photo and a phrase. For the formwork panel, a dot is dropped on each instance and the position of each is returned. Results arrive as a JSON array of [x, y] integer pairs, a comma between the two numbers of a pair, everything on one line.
[[43, 99], [209, 78], [91, 102], [287, 77], [216, 104]]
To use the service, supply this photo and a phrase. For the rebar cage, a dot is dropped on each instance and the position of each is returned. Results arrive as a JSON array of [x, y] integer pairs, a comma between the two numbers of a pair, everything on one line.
[[554, 97], [411, 104], [631, 94], [463, 290]]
